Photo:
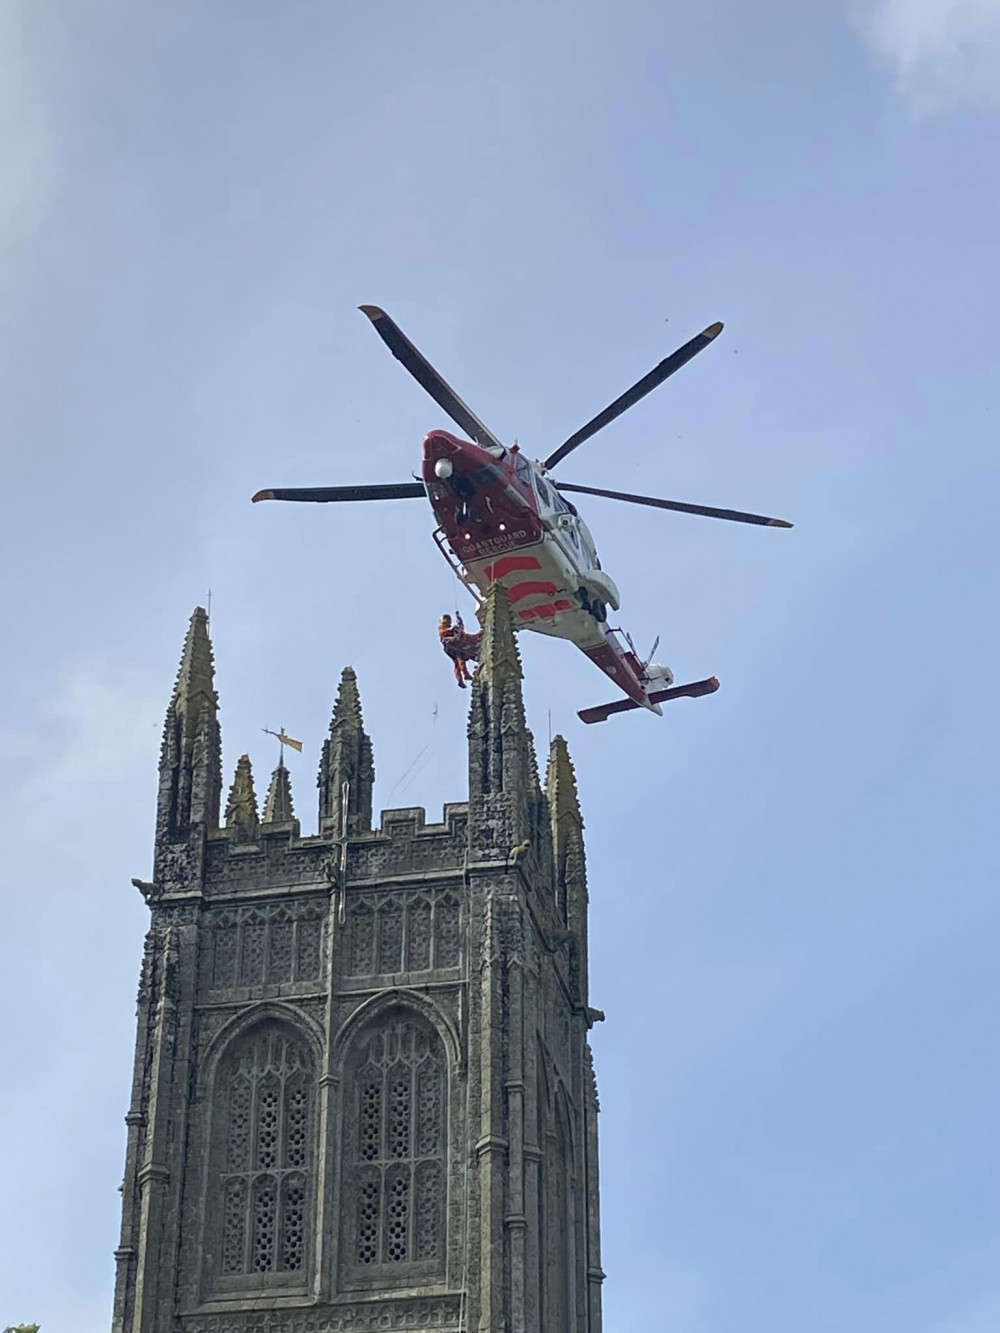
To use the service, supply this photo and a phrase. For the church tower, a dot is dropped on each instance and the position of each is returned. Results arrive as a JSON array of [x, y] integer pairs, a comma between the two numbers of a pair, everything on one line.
[[363, 1094]]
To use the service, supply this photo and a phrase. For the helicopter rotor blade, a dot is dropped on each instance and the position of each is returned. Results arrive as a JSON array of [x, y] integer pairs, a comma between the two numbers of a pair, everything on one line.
[[427, 377], [406, 490], [707, 511], [638, 390]]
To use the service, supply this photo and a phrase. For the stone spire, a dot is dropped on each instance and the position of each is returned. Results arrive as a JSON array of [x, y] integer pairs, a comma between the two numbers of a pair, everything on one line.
[[501, 750], [191, 753], [278, 805], [569, 860], [499, 660], [560, 787], [346, 771], [195, 687], [241, 808]]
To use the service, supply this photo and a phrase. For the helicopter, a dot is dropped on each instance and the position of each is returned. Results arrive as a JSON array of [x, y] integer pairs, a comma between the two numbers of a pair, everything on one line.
[[501, 518]]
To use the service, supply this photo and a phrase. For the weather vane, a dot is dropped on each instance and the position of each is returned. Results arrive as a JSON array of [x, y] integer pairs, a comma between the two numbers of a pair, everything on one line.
[[282, 740]]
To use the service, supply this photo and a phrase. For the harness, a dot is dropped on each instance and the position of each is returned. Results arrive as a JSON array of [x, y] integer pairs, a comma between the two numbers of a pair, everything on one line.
[[460, 646]]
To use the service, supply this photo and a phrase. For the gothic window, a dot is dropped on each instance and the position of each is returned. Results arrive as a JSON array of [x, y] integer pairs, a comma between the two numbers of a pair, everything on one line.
[[265, 1159], [396, 1154]]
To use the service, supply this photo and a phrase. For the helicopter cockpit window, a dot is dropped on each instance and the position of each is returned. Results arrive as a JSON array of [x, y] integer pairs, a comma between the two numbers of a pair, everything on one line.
[[523, 468], [544, 494]]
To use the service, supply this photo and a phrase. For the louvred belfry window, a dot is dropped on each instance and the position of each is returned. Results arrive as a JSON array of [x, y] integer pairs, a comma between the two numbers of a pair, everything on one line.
[[396, 1154], [266, 1153]]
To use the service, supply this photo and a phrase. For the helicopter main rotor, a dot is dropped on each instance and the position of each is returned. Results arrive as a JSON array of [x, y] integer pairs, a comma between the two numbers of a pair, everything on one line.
[[463, 416]]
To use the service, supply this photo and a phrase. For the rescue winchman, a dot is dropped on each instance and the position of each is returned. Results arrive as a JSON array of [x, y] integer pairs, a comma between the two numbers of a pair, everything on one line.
[[459, 645]]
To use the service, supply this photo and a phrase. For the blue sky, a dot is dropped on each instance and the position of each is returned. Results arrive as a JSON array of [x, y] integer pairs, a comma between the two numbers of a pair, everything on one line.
[[794, 908]]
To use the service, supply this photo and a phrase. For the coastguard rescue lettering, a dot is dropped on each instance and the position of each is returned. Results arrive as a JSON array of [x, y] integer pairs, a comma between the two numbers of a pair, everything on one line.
[[492, 545]]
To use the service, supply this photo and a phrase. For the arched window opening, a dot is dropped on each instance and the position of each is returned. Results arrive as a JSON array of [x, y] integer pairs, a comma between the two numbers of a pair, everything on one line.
[[396, 1153], [265, 1157]]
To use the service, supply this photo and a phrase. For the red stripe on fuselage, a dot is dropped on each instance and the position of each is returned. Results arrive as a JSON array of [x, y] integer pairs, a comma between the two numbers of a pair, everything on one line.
[[507, 563], [546, 611], [521, 590]]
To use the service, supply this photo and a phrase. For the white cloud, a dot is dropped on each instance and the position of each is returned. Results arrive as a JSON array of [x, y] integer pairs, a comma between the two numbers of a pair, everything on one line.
[[943, 53]]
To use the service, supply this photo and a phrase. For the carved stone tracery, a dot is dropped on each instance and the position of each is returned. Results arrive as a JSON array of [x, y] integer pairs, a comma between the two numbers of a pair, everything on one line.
[[418, 1313], [395, 1152], [264, 1155], [391, 933], [265, 946]]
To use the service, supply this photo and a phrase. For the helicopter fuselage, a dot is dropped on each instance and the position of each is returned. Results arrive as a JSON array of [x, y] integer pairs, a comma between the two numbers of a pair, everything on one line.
[[503, 521]]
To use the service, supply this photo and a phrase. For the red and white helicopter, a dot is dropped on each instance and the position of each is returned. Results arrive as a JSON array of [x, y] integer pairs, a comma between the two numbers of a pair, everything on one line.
[[501, 518]]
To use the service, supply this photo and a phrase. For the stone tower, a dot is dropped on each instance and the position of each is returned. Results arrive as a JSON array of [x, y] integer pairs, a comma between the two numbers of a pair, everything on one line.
[[363, 1094]]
